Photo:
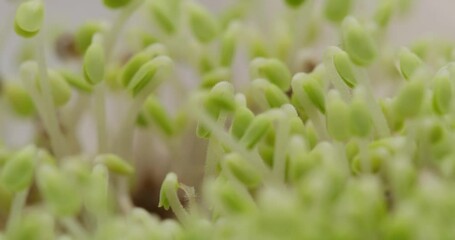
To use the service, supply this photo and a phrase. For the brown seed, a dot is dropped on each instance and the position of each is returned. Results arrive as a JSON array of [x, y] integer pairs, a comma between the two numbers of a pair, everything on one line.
[[65, 46]]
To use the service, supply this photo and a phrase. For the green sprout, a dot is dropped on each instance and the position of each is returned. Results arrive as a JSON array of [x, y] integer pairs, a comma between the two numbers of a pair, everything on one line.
[[297, 120]]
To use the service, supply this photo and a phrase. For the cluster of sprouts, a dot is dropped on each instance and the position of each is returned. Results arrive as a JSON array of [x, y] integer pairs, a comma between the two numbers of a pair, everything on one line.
[[256, 125]]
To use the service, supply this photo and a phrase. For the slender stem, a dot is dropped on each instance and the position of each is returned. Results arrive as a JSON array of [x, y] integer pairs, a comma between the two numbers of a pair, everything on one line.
[[117, 27], [123, 195], [19, 201], [190, 196], [100, 112], [74, 228], [126, 131], [174, 201], [49, 110], [333, 76], [125, 134], [72, 119]]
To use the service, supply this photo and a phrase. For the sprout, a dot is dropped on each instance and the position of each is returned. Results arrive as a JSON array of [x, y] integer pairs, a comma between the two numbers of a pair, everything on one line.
[[165, 13], [409, 100], [19, 99], [60, 90], [337, 10], [360, 119], [409, 63], [94, 61], [274, 96], [114, 4], [241, 121], [273, 70], [442, 92], [384, 13], [58, 191], [295, 3], [76, 81], [84, 35], [344, 68], [203, 25], [229, 199], [242, 170], [154, 110], [115, 164], [256, 131], [211, 78], [338, 120], [358, 43], [147, 77], [221, 97], [229, 44], [314, 91], [97, 196], [169, 198], [138, 60], [29, 18], [35, 224], [17, 173]]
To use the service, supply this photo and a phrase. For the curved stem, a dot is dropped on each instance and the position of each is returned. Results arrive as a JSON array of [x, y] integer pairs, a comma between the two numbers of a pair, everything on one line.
[[177, 207], [333, 76], [117, 27], [49, 110]]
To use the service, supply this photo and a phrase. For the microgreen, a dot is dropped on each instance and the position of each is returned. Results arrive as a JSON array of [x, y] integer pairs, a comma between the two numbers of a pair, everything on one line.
[[254, 128]]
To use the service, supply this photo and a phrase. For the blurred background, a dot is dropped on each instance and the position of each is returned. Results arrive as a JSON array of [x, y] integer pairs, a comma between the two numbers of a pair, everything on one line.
[[428, 17]]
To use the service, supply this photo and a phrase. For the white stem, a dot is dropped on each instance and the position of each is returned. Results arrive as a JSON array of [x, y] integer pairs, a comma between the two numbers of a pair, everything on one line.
[[333, 76], [117, 27], [126, 130], [174, 201], [49, 111], [100, 112], [19, 201], [71, 120], [123, 195]]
